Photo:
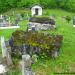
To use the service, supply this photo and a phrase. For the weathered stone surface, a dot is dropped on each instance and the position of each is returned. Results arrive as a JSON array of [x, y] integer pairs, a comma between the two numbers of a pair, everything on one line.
[[3, 70], [27, 60], [26, 65], [5, 51], [36, 43], [38, 26]]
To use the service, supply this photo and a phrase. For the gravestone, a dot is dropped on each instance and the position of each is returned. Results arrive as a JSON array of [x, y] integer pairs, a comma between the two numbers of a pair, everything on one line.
[[74, 22], [5, 53], [26, 65], [3, 47], [27, 60]]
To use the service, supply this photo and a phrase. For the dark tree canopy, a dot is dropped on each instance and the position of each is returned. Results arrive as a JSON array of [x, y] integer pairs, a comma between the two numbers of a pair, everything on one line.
[[64, 4]]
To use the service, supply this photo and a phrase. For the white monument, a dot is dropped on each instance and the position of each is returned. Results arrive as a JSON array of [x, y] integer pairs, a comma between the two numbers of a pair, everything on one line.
[[36, 10]]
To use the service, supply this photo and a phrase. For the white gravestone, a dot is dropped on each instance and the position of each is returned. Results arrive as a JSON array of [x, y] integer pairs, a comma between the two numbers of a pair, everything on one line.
[[74, 22], [3, 47], [8, 58]]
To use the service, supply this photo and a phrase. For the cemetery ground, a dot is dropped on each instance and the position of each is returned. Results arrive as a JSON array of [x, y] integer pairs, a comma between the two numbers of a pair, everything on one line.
[[65, 62]]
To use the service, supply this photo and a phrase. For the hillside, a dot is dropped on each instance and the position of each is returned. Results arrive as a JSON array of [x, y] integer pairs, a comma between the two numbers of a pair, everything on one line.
[[66, 61]]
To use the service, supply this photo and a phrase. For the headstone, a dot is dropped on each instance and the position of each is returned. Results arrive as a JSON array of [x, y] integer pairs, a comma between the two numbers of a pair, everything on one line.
[[27, 60], [74, 22], [3, 47], [26, 65], [8, 58], [5, 53]]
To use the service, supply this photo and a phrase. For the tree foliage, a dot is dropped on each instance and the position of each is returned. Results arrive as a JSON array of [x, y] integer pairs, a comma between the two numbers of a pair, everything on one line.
[[64, 4]]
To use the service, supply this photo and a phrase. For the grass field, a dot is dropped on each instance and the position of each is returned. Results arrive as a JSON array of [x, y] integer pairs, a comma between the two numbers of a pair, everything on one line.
[[66, 60]]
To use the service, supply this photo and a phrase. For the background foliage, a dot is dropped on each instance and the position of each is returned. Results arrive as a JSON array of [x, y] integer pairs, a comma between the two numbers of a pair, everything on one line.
[[64, 4]]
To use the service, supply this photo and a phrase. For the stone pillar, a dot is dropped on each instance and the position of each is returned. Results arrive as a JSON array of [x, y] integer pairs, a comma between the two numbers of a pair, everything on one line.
[[3, 47], [5, 52]]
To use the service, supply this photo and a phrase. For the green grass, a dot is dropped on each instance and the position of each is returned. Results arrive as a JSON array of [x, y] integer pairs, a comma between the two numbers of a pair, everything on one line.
[[66, 60]]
